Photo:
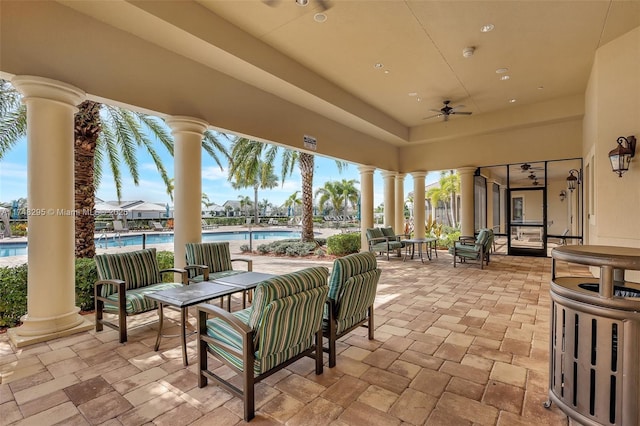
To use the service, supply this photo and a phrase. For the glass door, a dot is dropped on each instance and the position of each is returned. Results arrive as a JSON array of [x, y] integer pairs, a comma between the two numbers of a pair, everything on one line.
[[527, 230]]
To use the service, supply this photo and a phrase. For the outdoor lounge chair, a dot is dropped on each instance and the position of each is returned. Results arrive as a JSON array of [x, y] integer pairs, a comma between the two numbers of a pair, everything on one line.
[[118, 227], [478, 249], [352, 291], [207, 226], [157, 226], [379, 243], [123, 280], [283, 325], [209, 261]]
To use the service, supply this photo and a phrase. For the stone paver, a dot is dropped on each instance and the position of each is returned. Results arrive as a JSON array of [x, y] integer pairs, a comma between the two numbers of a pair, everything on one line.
[[459, 346]]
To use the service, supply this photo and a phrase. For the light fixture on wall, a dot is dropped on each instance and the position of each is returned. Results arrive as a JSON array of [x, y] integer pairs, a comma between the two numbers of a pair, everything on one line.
[[573, 180], [621, 156], [563, 195]]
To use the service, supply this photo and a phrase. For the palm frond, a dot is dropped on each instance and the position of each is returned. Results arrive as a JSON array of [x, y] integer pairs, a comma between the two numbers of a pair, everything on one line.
[[13, 126], [122, 136]]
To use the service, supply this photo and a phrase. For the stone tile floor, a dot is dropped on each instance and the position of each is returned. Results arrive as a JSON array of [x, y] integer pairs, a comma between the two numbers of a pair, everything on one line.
[[459, 347]]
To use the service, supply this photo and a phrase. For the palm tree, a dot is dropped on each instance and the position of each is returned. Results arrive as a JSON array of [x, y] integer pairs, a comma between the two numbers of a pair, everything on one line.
[[264, 205], [293, 201], [256, 174], [450, 184], [102, 133], [253, 152], [339, 194], [436, 195], [245, 201]]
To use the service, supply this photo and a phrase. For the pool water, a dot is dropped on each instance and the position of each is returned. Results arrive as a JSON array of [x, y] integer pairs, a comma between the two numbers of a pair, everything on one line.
[[20, 248]]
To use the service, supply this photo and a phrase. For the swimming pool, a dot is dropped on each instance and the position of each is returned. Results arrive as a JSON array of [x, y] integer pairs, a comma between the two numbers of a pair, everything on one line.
[[20, 248]]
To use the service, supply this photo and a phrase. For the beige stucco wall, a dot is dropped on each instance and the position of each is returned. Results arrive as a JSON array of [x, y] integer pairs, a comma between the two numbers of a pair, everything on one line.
[[552, 141], [612, 109]]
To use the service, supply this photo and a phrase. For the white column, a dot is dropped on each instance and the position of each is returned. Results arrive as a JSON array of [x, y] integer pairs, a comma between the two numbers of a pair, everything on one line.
[[51, 310], [418, 204], [187, 199], [389, 180], [466, 200], [366, 202], [399, 204]]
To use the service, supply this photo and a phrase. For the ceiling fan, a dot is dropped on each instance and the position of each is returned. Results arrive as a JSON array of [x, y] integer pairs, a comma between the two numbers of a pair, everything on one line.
[[324, 4], [446, 111], [526, 167]]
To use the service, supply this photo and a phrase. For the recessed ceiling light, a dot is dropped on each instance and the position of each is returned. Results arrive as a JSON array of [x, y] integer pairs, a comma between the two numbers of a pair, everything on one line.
[[512, 101], [319, 17], [302, 2], [505, 77], [378, 65], [413, 94], [419, 99], [540, 87], [486, 28], [387, 71], [501, 70]]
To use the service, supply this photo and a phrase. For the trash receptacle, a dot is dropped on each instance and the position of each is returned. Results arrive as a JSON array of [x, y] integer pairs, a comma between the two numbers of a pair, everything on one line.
[[594, 359]]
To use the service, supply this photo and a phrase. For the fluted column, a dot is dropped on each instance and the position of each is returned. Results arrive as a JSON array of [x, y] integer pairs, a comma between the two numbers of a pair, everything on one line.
[[399, 204], [389, 181], [51, 310], [466, 200], [418, 204], [187, 200], [366, 202]]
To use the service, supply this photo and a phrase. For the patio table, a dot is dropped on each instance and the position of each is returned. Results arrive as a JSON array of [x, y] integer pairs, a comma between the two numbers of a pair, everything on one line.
[[183, 297], [430, 243], [243, 282]]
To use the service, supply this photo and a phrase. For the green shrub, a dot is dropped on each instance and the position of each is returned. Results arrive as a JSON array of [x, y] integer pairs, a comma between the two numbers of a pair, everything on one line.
[[343, 244], [450, 239], [86, 277], [165, 261], [300, 249], [13, 294]]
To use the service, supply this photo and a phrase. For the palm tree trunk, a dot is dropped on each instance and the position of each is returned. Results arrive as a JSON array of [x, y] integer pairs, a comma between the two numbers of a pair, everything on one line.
[[86, 131], [306, 170]]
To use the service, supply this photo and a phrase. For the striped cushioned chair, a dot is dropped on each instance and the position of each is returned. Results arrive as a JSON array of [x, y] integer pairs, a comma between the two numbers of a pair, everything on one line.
[[380, 243], [124, 279], [479, 249], [208, 261], [283, 325], [352, 291]]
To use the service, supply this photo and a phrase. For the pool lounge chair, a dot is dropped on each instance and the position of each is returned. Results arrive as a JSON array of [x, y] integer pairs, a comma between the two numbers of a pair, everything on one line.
[[118, 227]]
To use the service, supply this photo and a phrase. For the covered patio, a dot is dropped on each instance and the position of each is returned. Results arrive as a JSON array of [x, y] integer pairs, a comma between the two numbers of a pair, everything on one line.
[[452, 347]]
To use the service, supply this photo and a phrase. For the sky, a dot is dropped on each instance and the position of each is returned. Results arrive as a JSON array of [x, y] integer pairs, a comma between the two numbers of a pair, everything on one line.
[[13, 180]]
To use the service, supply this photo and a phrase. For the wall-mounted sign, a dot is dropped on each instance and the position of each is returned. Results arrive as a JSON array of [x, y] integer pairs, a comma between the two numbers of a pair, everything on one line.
[[310, 142]]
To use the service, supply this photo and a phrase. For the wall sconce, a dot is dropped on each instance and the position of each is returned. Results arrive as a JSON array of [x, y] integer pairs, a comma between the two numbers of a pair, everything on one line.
[[563, 195], [620, 157], [572, 180]]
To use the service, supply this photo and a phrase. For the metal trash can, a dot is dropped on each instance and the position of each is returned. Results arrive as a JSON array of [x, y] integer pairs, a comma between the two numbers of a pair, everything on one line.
[[594, 362]]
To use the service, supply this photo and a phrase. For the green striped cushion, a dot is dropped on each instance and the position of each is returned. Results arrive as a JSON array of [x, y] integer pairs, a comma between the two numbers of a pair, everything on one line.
[[387, 231], [374, 233], [215, 255], [348, 266], [220, 331], [136, 268], [135, 300], [382, 246], [286, 312]]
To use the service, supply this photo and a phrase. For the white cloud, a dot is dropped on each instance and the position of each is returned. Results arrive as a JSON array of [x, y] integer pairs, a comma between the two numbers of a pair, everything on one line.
[[13, 171], [214, 173]]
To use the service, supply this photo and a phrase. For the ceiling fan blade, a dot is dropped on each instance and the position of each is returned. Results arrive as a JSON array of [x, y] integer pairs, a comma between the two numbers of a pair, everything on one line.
[[458, 106], [433, 116], [324, 4], [461, 112], [436, 110], [271, 3]]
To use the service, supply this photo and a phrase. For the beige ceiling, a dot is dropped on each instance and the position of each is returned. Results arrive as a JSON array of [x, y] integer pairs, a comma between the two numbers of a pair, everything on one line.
[[547, 46], [244, 64]]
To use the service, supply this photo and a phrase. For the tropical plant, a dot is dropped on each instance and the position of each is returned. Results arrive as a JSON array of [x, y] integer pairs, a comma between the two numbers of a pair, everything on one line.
[[102, 133], [254, 152], [339, 194], [450, 184], [245, 202], [292, 202], [251, 174]]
